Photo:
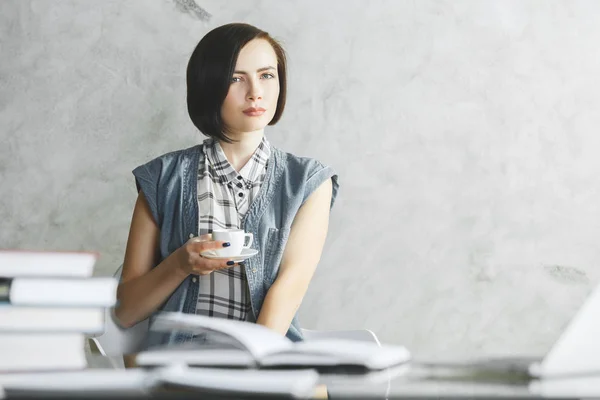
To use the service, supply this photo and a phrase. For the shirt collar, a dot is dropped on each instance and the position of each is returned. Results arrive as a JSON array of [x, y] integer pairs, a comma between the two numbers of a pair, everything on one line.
[[250, 173]]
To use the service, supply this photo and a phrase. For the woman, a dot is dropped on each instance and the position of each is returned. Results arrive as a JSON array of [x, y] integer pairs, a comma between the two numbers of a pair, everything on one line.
[[236, 86]]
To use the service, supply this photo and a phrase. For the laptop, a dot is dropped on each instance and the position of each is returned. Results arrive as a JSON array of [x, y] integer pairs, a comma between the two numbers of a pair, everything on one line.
[[575, 353]]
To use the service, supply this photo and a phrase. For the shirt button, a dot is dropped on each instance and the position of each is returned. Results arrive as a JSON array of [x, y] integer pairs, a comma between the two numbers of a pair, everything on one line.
[[194, 279], [191, 235], [241, 194], [254, 270], [239, 177], [240, 185]]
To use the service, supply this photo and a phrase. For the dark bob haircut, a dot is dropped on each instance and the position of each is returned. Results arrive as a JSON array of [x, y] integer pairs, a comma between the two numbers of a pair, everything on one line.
[[211, 68]]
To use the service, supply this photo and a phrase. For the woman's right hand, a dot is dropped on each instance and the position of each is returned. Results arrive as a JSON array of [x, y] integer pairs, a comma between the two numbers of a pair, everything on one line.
[[189, 260]]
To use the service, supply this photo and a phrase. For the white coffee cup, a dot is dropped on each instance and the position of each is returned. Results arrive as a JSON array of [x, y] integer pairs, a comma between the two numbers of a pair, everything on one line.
[[237, 240]]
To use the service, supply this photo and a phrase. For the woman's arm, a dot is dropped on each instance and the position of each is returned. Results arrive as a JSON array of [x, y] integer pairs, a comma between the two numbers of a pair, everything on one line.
[[144, 288], [300, 259]]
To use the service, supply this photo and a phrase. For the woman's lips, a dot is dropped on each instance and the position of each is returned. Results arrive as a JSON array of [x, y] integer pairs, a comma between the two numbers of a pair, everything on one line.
[[254, 112]]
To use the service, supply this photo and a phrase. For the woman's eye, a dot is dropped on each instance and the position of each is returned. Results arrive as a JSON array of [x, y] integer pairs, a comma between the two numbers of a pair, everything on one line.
[[267, 76], [236, 79]]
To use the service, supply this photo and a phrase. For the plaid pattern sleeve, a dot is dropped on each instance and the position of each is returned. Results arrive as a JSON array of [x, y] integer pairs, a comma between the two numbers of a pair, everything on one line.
[[224, 196]]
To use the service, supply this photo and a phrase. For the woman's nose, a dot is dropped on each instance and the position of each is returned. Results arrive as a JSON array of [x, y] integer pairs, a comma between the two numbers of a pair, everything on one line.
[[255, 92]]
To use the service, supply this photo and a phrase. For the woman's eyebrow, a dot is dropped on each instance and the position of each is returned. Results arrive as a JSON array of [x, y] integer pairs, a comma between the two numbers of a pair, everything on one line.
[[258, 70]]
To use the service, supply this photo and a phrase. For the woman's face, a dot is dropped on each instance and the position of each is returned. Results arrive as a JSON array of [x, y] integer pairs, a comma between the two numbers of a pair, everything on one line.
[[252, 98]]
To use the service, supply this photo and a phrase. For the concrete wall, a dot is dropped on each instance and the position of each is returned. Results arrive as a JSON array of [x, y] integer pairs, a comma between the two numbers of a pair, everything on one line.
[[464, 134]]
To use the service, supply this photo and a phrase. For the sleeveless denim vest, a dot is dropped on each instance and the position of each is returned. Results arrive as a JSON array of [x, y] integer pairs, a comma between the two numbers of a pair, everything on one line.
[[169, 184]]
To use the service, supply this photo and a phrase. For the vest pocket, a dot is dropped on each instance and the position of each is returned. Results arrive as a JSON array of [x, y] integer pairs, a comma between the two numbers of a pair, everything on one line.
[[275, 245]]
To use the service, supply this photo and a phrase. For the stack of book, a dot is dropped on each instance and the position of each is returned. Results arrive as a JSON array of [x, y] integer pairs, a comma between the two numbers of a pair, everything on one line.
[[49, 304]]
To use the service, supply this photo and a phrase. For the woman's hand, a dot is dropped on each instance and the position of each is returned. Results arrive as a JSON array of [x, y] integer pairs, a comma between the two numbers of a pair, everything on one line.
[[189, 260]]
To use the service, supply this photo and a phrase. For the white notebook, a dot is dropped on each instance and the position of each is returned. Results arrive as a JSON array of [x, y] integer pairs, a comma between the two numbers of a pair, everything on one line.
[[574, 354], [577, 387]]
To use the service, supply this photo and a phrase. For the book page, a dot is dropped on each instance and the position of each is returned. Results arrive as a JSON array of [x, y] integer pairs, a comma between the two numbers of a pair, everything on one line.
[[196, 356], [257, 339], [340, 352]]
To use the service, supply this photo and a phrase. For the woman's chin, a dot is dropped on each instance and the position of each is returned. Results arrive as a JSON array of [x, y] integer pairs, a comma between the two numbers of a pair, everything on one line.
[[248, 129]]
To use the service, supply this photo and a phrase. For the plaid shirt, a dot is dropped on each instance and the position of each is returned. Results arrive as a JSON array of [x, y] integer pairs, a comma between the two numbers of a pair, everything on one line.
[[224, 196]]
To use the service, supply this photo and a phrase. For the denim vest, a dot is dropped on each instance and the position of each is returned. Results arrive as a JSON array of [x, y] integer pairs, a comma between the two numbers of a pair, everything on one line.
[[169, 184]]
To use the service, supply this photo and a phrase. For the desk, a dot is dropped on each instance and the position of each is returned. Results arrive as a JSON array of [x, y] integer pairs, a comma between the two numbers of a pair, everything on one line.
[[409, 383]]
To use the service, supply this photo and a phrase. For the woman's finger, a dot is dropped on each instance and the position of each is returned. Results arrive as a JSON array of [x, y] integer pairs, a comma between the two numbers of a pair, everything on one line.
[[205, 237], [228, 264], [199, 247]]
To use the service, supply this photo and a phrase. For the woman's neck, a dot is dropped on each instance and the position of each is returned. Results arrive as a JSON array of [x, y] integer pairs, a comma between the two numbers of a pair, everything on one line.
[[239, 153]]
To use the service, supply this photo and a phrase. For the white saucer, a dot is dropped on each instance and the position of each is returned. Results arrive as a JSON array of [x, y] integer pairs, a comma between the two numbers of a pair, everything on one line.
[[246, 253]]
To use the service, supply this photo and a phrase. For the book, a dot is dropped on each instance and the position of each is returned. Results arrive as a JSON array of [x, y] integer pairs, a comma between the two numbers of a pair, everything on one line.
[[41, 351], [51, 319], [137, 381], [251, 345], [22, 263], [88, 292], [86, 381], [291, 383]]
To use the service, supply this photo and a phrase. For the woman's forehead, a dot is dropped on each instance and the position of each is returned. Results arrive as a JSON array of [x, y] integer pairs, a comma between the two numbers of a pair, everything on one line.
[[256, 54]]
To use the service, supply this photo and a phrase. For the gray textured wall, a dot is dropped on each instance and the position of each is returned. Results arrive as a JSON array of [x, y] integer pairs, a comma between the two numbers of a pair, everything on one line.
[[464, 133]]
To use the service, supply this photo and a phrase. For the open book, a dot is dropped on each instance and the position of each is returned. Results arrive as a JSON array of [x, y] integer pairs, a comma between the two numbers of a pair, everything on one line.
[[244, 344]]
